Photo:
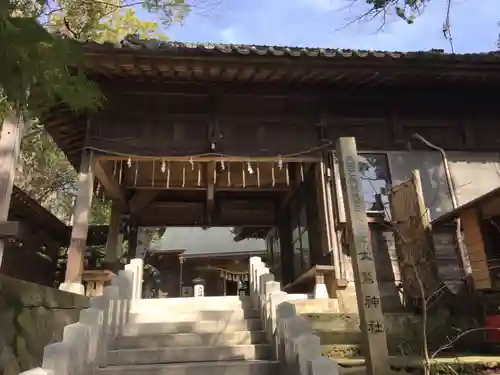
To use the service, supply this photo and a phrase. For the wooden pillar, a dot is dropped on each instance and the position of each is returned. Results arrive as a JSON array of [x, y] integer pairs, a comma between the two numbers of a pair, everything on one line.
[[78, 242], [115, 237], [365, 276], [132, 240], [286, 250], [10, 147]]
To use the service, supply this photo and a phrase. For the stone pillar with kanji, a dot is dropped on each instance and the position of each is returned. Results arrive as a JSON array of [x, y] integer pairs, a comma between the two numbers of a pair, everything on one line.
[[363, 264]]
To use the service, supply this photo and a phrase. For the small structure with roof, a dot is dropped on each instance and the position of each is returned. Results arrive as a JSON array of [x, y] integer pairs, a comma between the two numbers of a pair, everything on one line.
[[184, 254]]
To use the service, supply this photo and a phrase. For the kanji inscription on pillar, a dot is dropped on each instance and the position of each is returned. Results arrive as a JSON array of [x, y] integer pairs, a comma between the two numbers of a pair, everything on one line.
[[363, 264]]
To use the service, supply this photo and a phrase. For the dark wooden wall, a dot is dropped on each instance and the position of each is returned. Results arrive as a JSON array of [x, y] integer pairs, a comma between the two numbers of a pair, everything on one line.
[[23, 259], [261, 120], [24, 263]]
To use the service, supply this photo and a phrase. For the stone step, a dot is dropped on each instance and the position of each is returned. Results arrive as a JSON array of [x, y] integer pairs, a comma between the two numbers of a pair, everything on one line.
[[159, 315], [395, 344], [192, 304], [213, 326], [339, 337], [188, 354], [192, 339], [333, 322], [197, 368], [341, 351], [396, 324], [403, 329]]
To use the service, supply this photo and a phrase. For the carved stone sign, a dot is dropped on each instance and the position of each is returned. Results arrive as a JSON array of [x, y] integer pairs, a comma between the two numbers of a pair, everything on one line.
[[365, 276]]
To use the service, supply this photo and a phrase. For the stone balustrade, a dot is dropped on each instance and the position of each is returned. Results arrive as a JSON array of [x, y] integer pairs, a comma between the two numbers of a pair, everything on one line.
[[85, 344], [296, 347]]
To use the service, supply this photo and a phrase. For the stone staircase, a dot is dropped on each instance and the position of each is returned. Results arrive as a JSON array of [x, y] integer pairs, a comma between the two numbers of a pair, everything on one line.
[[341, 338], [192, 336], [124, 334]]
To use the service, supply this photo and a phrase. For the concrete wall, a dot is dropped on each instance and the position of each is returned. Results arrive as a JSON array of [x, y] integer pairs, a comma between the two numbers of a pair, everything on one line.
[[32, 316]]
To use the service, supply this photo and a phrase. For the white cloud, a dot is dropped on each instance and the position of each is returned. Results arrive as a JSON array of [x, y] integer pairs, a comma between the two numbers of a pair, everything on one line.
[[320, 5], [228, 35], [318, 23]]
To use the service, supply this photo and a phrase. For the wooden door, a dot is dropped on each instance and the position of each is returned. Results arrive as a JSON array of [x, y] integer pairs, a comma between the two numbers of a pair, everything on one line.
[[414, 249]]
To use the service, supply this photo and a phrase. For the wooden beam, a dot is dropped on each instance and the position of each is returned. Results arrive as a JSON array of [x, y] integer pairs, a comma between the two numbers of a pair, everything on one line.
[[363, 262], [230, 189], [385, 66], [214, 158], [192, 89], [10, 146], [217, 221], [108, 182], [132, 240], [124, 86], [140, 200], [115, 238]]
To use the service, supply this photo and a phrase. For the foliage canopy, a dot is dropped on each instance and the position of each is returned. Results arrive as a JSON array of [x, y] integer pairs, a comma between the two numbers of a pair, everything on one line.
[[405, 9], [40, 56]]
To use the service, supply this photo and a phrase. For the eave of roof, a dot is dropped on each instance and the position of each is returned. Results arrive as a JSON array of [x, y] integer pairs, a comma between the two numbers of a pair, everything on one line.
[[25, 208], [132, 43], [478, 202], [136, 60]]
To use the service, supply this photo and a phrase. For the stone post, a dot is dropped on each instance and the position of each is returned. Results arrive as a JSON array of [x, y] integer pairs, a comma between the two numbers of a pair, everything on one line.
[[307, 347], [93, 319], [76, 336], [38, 371], [136, 267], [111, 294], [57, 358], [102, 303], [323, 366], [255, 262], [363, 264], [269, 287]]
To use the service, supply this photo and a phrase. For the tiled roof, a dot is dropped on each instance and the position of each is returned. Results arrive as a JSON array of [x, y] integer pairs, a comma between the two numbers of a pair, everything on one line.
[[132, 42]]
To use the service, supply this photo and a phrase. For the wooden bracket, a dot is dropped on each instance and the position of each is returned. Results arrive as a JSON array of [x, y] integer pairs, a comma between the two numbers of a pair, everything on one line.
[[112, 186]]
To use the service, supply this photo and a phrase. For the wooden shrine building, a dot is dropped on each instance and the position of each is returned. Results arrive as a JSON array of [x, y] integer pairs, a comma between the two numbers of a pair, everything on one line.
[[33, 247], [228, 135], [186, 253]]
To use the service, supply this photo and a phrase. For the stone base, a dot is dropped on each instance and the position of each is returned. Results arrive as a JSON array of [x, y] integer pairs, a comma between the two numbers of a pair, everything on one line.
[[320, 292], [76, 288], [112, 265], [348, 303]]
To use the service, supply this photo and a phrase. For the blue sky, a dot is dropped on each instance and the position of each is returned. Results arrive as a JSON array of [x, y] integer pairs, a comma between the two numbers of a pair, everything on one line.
[[318, 23]]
